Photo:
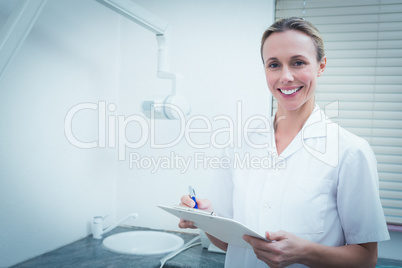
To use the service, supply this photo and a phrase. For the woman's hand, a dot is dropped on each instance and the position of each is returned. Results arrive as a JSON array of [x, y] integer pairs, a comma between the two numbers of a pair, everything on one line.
[[186, 201], [284, 251], [287, 249]]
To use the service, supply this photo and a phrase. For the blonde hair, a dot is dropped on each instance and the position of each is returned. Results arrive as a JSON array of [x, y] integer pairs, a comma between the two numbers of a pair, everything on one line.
[[297, 24]]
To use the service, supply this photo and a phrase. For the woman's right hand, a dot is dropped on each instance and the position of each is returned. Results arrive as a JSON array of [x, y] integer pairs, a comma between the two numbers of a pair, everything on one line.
[[203, 204], [186, 201]]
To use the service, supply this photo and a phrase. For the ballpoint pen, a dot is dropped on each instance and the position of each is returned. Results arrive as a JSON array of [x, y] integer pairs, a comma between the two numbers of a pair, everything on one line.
[[192, 195]]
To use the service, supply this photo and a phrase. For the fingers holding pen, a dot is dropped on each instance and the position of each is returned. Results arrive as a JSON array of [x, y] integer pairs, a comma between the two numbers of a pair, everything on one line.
[[203, 204], [187, 201]]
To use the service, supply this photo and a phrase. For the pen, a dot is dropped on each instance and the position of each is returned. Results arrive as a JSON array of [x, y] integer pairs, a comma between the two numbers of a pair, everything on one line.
[[192, 195]]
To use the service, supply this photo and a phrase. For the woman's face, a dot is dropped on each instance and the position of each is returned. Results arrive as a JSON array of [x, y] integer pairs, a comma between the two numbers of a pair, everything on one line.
[[291, 68]]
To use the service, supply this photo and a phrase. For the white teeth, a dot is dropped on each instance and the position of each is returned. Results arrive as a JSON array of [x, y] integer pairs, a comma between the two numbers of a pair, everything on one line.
[[289, 92]]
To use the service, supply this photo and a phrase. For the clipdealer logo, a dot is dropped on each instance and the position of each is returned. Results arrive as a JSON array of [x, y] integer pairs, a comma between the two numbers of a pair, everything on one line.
[[200, 160], [112, 133]]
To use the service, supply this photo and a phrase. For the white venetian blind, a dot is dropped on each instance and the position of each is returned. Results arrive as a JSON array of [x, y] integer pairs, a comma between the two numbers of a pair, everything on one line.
[[363, 43]]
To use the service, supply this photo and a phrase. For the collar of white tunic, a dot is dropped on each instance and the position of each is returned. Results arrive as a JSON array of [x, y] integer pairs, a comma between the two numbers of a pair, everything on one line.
[[314, 127], [318, 125]]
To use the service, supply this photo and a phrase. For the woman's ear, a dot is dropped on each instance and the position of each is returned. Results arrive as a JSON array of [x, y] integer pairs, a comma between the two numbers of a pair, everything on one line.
[[321, 66]]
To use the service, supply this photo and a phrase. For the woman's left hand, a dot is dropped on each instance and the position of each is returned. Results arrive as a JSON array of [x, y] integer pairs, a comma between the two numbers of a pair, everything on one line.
[[286, 249]]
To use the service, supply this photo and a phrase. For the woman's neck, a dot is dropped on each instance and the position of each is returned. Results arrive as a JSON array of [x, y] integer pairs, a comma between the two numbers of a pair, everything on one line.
[[287, 124], [292, 121]]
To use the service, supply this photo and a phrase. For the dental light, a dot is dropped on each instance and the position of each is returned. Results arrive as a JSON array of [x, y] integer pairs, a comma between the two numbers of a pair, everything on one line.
[[172, 106]]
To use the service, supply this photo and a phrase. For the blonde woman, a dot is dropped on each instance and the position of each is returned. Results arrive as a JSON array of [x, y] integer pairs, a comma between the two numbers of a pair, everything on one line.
[[323, 208]]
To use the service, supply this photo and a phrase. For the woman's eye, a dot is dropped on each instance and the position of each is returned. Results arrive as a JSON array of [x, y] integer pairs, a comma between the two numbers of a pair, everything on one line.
[[299, 63], [273, 65]]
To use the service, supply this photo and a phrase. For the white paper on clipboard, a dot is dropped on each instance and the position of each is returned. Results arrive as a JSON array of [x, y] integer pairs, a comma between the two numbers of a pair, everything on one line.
[[227, 230]]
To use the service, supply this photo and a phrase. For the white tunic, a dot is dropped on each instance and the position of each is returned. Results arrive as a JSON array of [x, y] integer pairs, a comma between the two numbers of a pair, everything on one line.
[[323, 187]]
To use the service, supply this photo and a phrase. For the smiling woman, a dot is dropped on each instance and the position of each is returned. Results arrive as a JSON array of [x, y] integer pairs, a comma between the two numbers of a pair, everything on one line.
[[362, 80], [293, 58], [323, 209]]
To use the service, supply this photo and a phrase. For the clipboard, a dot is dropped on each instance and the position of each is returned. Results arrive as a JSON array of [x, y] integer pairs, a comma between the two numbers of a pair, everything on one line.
[[225, 229]]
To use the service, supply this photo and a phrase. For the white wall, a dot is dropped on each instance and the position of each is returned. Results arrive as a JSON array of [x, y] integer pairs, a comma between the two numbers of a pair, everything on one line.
[[215, 45], [79, 51], [50, 189]]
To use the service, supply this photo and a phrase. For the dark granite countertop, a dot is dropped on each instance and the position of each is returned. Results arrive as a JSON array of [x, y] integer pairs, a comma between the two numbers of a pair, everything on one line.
[[88, 252]]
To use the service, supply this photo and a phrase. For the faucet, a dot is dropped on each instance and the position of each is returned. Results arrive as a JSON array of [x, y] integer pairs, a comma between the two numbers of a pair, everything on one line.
[[97, 229]]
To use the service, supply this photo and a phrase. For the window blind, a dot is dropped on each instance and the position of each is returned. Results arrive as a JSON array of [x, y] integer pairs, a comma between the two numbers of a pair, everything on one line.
[[363, 77]]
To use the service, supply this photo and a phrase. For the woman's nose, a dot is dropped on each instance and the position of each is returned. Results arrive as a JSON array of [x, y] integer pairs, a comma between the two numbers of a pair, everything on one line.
[[286, 75]]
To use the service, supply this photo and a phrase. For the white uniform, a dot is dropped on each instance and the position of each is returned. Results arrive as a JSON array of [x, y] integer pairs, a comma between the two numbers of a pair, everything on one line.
[[323, 187]]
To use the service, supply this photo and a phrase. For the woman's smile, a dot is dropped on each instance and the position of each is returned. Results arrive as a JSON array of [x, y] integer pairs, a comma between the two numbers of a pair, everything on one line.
[[289, 91]]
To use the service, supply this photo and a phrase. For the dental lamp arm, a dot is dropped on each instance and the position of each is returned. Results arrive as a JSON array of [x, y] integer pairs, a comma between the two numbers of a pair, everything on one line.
[[136, 13]]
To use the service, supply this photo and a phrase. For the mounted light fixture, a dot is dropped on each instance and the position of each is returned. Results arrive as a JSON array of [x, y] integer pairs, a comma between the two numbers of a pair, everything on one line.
[[170, 106]]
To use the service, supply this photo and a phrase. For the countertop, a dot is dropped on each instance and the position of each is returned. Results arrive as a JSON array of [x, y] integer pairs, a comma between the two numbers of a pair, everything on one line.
[[88, 252]]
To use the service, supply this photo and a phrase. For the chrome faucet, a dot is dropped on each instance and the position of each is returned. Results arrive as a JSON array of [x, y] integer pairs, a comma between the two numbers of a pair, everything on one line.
[[97, 225]]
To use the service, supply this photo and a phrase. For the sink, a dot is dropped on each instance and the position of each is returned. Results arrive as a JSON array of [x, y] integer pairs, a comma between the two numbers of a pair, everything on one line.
[[143, 242]]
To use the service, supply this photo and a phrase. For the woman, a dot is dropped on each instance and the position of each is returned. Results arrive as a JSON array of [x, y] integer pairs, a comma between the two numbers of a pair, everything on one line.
[[323, 208]]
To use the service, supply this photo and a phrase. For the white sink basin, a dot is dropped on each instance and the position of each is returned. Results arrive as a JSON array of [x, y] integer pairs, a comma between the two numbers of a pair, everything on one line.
[[143, 242]]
